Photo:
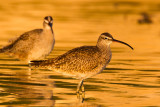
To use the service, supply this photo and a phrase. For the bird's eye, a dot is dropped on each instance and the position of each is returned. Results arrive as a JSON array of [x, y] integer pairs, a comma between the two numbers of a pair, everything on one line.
[[106, 38]]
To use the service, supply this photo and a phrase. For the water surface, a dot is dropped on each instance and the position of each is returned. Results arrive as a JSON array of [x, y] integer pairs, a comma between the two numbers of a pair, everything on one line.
[[132, 79]]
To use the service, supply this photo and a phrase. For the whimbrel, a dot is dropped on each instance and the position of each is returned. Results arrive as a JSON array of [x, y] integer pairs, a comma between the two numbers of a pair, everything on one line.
[[33, 44], [146, 19], [82, 62]]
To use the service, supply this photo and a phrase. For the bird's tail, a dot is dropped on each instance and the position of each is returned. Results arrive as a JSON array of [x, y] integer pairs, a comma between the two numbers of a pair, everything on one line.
[[41, 63], [2, 50], [36, 63], [6, 48]]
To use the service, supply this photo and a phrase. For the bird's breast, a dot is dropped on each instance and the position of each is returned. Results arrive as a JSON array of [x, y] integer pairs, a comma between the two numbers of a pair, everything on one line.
[[43, 46]]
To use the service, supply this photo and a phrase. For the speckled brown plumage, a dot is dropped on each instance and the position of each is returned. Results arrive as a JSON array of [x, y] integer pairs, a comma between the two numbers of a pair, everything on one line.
[[82, 62], [78, 62]]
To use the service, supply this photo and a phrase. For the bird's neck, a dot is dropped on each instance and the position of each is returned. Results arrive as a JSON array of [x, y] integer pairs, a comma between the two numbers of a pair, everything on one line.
[[105, 52], [103, 46], [47, 28]]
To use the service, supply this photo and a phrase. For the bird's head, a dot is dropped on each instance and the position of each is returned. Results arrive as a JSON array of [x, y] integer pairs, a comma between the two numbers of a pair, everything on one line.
[[108, 39], [48, 21]]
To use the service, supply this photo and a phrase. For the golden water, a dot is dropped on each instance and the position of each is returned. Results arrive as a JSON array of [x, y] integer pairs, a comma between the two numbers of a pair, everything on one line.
[[132, 79]]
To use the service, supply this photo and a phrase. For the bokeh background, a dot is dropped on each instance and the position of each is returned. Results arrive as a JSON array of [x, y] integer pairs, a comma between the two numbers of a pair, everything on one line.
[[131, 79]]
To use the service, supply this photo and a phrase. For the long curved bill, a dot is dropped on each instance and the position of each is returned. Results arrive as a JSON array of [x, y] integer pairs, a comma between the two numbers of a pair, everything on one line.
[[114, 40]]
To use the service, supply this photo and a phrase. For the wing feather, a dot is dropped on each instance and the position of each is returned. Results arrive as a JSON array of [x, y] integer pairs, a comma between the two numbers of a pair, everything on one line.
[[79, 59]]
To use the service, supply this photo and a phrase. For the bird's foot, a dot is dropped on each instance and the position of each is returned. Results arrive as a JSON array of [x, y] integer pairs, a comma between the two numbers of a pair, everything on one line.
[[81, 96]]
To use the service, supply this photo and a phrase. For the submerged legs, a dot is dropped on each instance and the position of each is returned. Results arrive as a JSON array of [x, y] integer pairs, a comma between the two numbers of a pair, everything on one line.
[[81, 91]]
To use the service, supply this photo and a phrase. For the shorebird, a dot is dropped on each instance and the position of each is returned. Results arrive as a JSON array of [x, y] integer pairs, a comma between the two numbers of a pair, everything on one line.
[[82, 62], [33, 44], [146, 19]]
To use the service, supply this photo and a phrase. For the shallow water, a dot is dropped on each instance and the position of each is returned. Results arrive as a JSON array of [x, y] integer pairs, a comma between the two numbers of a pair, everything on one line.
[[132, 79]]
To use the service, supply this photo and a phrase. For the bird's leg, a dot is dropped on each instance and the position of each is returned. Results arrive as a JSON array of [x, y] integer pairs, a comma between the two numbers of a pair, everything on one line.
[[29, 71], [82, 88], [79, 88], [29, 64], [80, 91], [83, 92]]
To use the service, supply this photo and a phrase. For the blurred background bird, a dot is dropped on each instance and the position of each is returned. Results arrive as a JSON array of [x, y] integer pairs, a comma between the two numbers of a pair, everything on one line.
[[33, 44]]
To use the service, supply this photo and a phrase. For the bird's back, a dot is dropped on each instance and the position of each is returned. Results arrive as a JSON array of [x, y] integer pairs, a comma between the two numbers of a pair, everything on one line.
[[78, 61], [23, 44]]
